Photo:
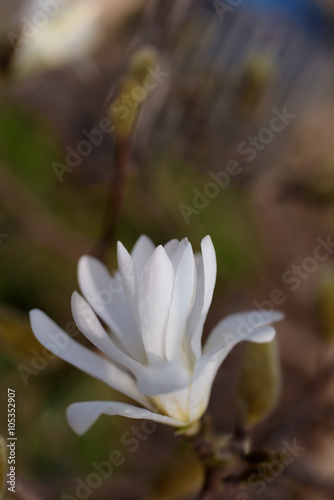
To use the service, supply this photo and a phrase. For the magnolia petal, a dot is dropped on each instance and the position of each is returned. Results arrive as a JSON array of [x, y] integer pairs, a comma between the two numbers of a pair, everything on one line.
[[56, 340], [171, 247], [178, 253], [81, 416], [106, 296], [210, 271], [127, 272], [142, 251], [207, 367], [162, 378], [175, 403], [130, 284], [151, 380], [89, 324], [206, 280], [239, 325], [155, 294], [182, 301]]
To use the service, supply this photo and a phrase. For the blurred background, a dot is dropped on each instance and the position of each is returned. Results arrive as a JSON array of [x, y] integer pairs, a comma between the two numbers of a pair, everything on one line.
[[233, 138]]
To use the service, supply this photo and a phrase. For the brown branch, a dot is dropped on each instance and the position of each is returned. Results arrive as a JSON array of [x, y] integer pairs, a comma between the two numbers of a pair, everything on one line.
[[116, 197], [213, 467], [212, 484]]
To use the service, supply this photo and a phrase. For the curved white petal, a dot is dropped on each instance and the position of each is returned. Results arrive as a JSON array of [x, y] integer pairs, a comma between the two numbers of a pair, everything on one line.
[[155, 294], [130, 283], [175, 404], [88, 323], [207, 366], [171, 246], [142, 251], [162, 378], [177, 254], [206, 280], [182, 301], [81, 416], [239, 325], [151, 380], [106, 296], [56, 340], [127, 272]]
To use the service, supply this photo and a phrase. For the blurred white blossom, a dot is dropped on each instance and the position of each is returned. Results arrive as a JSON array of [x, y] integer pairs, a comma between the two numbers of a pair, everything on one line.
[[154, 309], [55, 32]]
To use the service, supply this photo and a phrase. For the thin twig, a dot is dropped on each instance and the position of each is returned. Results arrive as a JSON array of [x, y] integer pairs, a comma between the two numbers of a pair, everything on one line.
[[116, 197], [213, 471]]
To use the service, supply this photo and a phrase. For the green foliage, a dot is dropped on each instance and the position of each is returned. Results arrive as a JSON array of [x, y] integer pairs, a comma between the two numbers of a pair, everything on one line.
[[157, 194], [27, 147]]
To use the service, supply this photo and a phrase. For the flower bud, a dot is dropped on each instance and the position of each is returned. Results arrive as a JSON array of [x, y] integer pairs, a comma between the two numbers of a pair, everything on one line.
[[182, 478], [255, 81], [259, 384], [133, 91]]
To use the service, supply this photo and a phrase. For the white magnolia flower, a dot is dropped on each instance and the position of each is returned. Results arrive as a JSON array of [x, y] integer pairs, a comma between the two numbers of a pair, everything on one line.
[[154, 309]]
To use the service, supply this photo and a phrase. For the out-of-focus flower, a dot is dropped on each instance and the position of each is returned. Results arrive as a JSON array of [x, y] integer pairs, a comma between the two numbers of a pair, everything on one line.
[[55, 32], [155, 307]]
